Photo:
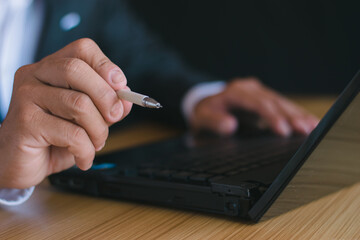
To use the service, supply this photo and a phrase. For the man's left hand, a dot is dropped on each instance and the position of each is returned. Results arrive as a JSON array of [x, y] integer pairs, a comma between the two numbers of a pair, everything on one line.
[[281, 115]]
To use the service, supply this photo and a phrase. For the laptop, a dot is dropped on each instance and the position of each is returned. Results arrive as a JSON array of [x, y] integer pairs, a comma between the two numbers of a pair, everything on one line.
[[245, 177]]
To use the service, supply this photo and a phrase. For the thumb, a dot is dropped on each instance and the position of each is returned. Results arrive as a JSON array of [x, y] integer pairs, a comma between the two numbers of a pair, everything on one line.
[[218, 121]]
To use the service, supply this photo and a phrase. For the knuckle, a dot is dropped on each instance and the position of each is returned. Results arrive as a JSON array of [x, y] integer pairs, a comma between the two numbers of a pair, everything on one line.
[[71, 65], [103, 63], [251, 83], [83, 45], [80, 102], [21, 74], [77, 135], [103, 94], [247, 83], [24, 92], [267, 106], [238, 84], [253, 80]]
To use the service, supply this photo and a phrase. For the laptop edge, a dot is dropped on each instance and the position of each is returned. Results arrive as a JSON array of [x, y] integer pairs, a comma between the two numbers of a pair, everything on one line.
[[299, 158]]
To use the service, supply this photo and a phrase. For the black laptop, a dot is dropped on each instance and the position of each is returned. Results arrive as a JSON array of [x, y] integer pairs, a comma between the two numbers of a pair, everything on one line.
[[247, 177]]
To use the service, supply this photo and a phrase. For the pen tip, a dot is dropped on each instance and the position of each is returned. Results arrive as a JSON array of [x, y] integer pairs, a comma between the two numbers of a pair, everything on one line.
[[151, 103]]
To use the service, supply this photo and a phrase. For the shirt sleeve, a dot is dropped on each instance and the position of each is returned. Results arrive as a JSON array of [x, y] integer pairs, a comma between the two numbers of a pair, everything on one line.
[[13, 197], [198, 93]]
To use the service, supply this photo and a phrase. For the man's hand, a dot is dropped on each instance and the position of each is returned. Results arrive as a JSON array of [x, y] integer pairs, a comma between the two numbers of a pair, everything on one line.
[[59, 114], [276, 112]]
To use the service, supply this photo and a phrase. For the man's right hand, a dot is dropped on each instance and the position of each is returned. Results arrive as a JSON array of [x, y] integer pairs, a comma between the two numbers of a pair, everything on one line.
[[59, 114]]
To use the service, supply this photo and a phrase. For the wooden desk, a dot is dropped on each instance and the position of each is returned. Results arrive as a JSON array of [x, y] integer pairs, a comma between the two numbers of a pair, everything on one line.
[[51, 214]]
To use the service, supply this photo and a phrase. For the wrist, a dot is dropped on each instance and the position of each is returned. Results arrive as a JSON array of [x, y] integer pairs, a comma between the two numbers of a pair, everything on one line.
[[198, 93]]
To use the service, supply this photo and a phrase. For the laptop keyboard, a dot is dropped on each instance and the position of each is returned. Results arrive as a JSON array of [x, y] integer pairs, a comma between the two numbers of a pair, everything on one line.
[[208, 163]]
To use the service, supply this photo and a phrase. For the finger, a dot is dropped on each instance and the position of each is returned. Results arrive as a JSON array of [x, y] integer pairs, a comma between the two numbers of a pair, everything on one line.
[[259, 103], [60, 160], [61, 133], [297, 118], [76, 74], [219, 121], [127, 106], [300, 120], [88, 51], [314, 121], [75, 107]]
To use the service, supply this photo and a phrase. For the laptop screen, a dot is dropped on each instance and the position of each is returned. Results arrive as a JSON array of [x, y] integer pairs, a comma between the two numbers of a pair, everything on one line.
[[328, 161]]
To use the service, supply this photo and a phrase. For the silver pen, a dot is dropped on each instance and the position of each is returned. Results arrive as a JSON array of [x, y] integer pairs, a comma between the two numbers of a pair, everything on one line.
[[137, 98]]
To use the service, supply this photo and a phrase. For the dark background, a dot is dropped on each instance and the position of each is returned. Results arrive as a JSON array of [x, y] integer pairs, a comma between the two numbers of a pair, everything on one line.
[[293, 46]]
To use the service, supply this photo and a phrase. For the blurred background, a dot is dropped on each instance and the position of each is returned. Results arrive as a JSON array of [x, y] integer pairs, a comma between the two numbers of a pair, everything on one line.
[[292, 46]]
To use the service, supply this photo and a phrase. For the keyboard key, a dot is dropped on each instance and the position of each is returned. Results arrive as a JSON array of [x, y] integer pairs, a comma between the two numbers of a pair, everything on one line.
[[181, 176], [215, 178], [164, 174], [222, 169], [147, 172], [231, 173], [201, 177]]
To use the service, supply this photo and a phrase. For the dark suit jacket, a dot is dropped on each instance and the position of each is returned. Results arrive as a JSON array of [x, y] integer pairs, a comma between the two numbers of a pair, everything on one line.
[[150, 67]]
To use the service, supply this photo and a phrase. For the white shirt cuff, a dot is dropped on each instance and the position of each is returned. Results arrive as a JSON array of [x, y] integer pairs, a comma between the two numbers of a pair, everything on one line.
[[13, 197], [198, 93]]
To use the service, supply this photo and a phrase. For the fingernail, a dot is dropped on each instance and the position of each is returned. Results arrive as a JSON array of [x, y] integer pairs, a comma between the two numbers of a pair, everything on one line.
[[101, 147], [303, 126], [116, 109], [315, 123], [117, 77], [306, 128], [284, 128]]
